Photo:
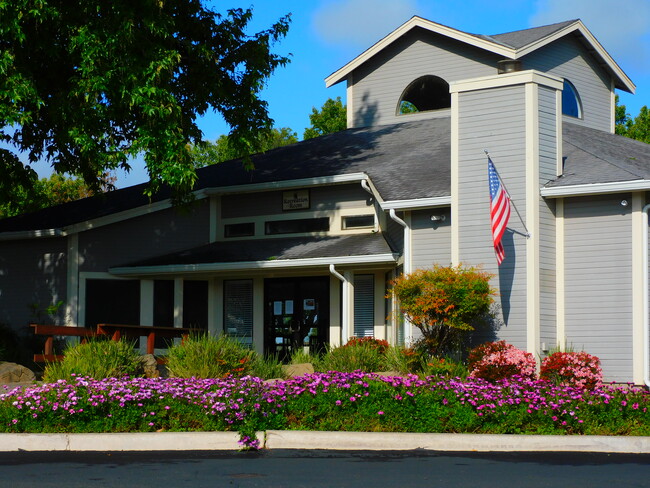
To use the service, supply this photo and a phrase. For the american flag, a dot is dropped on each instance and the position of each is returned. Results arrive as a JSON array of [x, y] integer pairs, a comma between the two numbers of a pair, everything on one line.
[[499, 210]]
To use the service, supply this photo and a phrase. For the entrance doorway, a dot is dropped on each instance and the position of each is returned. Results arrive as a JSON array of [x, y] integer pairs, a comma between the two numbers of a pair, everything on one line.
[[296, 315]]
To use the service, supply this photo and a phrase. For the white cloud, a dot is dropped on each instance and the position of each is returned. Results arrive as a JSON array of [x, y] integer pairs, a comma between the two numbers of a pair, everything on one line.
[[360, 23], [622, 27]]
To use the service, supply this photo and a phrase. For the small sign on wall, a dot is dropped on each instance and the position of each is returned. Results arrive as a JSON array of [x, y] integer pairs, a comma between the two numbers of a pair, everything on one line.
[[295, 200]]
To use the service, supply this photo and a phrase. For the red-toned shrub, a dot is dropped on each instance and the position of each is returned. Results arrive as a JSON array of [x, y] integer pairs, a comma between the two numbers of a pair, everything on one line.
[[577, 369], [380, 344], [495, 361]]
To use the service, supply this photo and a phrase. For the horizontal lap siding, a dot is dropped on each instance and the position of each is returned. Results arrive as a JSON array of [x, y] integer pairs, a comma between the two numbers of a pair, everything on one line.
[[547, 171], [380, 82], [143, 237], [32, 273], [494, 120], [270, 202], [598, 256], [569, 59], [431, 241]]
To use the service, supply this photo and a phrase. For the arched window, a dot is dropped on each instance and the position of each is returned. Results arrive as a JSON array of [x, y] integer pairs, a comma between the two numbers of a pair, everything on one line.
[[425, 93], [571, 105]]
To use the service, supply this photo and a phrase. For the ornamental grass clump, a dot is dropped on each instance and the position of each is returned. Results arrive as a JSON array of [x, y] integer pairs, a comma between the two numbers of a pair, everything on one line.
[[204, 356], [577, 369], [445, 303], [98, 359], [366, 354], [494, 361]]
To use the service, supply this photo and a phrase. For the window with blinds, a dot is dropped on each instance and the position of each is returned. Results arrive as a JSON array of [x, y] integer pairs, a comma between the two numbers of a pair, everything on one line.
[[364, 305], [238, 310]]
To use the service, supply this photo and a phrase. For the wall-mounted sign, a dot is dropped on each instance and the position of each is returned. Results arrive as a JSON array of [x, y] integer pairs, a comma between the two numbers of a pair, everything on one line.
[[295, 200]]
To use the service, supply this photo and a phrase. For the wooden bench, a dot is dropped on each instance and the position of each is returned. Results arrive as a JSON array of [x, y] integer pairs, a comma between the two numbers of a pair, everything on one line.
[[115, 331]]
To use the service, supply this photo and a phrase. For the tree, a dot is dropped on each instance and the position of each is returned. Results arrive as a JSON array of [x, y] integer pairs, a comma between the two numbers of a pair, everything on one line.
[[635, 128], [443, 303], [51, 191], [224, 150], [332, 117], [88, 85]]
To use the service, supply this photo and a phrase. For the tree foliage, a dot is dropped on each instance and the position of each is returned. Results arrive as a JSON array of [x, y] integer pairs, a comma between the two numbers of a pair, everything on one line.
[[51, 191], [332, 117], [224, 149], [635, 128], [88, 85], [444, 302]]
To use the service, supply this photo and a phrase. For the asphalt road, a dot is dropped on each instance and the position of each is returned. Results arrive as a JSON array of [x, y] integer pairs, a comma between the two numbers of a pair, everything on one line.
[[291, 468]]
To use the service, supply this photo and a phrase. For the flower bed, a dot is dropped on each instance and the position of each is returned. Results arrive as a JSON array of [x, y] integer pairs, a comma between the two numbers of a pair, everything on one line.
[[324, 401]]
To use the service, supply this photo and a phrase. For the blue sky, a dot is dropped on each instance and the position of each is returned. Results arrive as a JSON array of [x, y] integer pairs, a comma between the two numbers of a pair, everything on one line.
[[326, 34]]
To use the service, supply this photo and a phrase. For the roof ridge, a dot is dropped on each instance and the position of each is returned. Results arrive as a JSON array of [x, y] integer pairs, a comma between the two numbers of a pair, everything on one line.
[[564, 22]]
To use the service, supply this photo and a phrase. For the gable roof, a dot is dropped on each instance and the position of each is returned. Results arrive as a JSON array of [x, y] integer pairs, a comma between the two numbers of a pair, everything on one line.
[[512, 45]]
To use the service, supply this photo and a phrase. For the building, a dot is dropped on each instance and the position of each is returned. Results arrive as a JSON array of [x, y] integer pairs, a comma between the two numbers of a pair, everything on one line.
[[298, 252]]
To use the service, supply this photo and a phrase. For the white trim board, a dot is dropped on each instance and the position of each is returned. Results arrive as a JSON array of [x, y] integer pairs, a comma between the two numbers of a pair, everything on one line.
[[595, 188]]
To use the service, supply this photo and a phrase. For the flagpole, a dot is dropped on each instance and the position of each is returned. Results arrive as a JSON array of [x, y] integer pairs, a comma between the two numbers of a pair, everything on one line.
[[509, 198]]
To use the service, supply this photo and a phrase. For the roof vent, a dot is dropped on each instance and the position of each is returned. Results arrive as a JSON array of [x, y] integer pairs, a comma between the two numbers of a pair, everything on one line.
[[508, 66]]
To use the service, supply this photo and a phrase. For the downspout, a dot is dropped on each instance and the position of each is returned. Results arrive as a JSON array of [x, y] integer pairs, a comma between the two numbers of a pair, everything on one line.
[[407, 261], [366, 186], [345, 304], [646, 305]]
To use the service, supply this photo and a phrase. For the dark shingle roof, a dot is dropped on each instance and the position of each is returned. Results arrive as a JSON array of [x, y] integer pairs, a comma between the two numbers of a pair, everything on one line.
[[407, 160], [593, 156], [522, 38], [274, 249]]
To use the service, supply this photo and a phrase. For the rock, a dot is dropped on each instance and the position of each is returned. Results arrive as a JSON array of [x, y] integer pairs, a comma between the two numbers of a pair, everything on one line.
[[293, 370], [15, 373], [149, 366]]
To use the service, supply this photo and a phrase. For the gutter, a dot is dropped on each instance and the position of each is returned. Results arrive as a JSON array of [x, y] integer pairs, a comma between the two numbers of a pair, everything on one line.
[[646, 305], [32, 234], [407, 240], [345, 304]]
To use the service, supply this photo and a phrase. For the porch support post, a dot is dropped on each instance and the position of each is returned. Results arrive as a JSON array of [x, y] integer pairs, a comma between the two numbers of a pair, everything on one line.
[[178, 302]]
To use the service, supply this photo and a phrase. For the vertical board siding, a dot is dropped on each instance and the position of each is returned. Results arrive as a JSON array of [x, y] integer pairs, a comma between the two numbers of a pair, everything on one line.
[[598, 250], [380, 82], [547, 259], [142, 237], [33, 274], [431, 241], [569, 59], [320, 198], [494, 120]]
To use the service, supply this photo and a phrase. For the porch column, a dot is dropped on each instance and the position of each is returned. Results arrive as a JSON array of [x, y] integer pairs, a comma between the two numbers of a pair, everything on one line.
[[178, 302]]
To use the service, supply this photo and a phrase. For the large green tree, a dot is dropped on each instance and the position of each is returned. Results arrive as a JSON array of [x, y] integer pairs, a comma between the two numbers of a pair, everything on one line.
[[636, 128], [224, 149], [89, 85], [47, 192], [332, 117]]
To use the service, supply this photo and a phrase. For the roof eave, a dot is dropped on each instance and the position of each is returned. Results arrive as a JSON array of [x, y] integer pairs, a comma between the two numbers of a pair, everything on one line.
[[595, 188]]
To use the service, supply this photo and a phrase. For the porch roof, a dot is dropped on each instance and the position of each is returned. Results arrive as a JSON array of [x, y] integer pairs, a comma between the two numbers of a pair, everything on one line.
[[287, 252]]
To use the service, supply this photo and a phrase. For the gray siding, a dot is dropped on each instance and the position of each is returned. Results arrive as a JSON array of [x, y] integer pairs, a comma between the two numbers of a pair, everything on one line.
[[598, 253], [32, 274], [379, 83], [394, 233], [144, 237], [547, 171], [494, 120], [431, 241], [270, 203], [569, 59]]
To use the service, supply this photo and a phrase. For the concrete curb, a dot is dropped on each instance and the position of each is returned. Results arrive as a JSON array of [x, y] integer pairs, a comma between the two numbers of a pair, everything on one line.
[[293, 439]]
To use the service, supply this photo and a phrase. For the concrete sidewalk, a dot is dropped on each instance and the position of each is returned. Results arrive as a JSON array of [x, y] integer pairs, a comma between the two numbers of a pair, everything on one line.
[[358, 441]]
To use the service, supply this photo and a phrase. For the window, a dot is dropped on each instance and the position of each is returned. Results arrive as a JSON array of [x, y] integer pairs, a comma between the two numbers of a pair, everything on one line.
[[425, 93], [358, 221], [571, 105], [296, 226], [112, 302], [195, 304], [238, 310], [364, 305], [239, 230]]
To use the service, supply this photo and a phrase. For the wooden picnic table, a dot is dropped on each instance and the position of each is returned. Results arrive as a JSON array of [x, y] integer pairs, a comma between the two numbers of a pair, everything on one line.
[[115, 331]]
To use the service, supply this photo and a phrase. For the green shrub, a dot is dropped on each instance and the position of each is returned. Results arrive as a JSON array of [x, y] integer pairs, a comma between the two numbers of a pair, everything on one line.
[[98, 359], [444, 367], [404, 360], [363, 355], [267, 367], [300, 357], [204, 356]]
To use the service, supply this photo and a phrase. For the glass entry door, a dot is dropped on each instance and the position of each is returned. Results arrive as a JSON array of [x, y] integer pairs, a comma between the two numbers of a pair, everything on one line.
[[296, 315]]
